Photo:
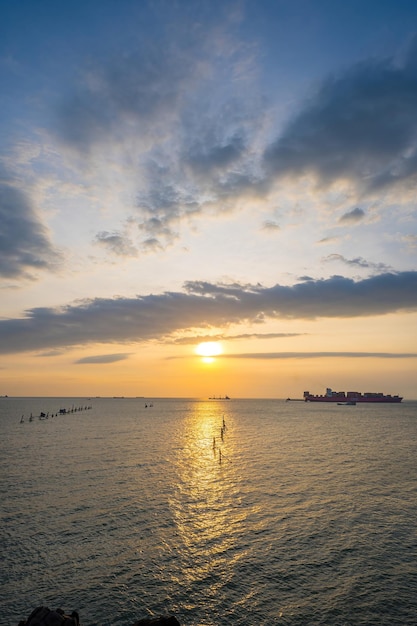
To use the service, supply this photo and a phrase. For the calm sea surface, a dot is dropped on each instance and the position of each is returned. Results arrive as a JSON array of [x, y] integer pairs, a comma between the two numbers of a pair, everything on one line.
[[124, 511]]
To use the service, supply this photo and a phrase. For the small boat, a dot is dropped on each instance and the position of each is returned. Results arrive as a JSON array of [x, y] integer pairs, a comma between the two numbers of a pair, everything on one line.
[[219, 398], [350, 403]]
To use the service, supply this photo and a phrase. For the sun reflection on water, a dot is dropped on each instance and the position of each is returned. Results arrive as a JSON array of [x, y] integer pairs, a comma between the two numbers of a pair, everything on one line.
[[207, 503]]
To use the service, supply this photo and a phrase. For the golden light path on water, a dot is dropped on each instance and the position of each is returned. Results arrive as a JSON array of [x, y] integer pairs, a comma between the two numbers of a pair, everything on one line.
[[207, 507]]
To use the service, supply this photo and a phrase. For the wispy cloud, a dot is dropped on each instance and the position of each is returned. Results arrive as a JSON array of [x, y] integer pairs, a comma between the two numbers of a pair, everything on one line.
[[204, 305], [103, 358], [352, 217], [193, 339], [319, 355], [178, 118], [327, 240], [357, 262], [193, 140], [270, 226], [50, 353], [411, 241], [132, 90], [117, 243], [25, 245]]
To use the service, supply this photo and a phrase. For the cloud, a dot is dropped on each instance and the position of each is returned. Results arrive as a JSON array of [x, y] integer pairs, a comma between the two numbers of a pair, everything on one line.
[[270, 226], [104, 358], [327, 240], [357, 262], [205, 305], [167, 85], [410, 240], [186, 137], [207, 164], [359, 126], [224, 337], [25, 247], [50, 353], [152, 244], [116, 243], [125, 93], [175, 115], [319, 355], [352, 217], [162, 203], [215, 153]]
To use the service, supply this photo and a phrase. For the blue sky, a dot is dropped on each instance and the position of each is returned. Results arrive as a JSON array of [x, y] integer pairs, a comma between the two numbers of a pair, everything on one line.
[[177, 171]]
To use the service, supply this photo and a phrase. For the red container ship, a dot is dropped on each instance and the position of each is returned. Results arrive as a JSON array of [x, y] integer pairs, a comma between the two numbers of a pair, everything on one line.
[[351, 396]]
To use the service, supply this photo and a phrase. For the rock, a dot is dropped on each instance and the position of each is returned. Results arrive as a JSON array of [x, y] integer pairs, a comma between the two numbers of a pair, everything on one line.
[[42, 616]]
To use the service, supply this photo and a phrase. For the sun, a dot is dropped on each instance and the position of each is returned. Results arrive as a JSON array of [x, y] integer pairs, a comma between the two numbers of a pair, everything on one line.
[[209, 349]]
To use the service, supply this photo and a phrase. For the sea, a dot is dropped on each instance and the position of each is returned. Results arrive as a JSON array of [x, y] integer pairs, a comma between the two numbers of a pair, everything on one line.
[[219, 512]]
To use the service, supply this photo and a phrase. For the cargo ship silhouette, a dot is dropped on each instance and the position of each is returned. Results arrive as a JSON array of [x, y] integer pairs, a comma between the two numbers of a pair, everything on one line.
[[351, 396]]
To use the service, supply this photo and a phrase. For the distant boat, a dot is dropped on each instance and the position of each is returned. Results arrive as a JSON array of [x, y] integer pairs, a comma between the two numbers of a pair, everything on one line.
[[219, 398], [350, 403]]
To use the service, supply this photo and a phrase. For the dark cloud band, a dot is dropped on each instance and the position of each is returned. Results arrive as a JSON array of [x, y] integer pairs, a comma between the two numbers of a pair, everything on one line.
[[204, 305]]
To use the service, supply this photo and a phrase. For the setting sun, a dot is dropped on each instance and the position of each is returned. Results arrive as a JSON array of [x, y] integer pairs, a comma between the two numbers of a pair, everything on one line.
[[209, 349]]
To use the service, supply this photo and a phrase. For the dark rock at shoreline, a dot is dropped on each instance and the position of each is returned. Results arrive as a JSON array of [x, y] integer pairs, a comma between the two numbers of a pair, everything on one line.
[[42, 616]]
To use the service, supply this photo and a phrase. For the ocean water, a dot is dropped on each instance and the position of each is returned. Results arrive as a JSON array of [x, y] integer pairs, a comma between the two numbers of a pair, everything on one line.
[[124, 511]]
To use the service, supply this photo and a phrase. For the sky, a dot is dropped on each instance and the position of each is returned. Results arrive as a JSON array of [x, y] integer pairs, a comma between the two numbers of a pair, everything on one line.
[[177, 172]]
